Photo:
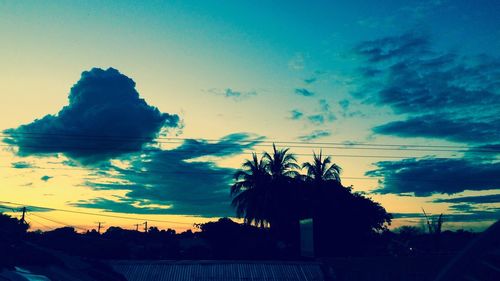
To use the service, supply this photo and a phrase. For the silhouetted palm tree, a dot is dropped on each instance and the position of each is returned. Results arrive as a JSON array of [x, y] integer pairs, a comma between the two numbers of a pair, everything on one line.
[[251, 192], [262, 193], [285, 201], [322, 170], [269, 192], [281, 164]]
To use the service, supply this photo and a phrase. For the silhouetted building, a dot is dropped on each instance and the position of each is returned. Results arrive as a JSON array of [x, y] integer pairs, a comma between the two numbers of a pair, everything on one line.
[[218, 270], [306, 238]]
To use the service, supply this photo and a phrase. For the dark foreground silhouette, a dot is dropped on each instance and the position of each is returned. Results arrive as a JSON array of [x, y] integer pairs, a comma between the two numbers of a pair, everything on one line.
[[348, 230], [392, 255], [271, 191]]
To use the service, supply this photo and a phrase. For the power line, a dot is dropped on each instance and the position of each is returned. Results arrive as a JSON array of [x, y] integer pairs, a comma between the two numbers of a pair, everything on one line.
[[215, 140], [58, 222], [112, 147], [180, 172], [32, 219], [301, 154], [257, 141], [210, 152], [379, 178], [93, 214]]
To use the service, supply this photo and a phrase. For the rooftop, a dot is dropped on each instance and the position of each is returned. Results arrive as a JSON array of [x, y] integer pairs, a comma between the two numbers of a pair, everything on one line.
[[218, 270]]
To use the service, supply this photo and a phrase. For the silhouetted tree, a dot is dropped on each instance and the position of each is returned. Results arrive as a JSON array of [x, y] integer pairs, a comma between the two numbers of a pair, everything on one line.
[[318, 173], [12, 230], [435, 227], [409, 231], [231, 240], [281, 165], [269, 191], [251, 192], [12, 233], [346, 222], [321, 169], [265, 194]]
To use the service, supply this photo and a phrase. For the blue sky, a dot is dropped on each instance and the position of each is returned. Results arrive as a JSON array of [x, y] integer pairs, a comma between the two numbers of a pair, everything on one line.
[[245, 74]]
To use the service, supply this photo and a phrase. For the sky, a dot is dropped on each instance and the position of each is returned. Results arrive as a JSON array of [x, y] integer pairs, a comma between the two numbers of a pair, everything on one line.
[[145, 111]]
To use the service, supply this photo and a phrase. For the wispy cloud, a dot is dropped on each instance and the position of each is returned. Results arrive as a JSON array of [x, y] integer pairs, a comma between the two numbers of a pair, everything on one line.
[[233, 94], [310, 80], [304, 92], [316, 134], [323, 114], [411, 14], [296, 114], [317, 119], [297, 62], [46, 178], [21, 165]]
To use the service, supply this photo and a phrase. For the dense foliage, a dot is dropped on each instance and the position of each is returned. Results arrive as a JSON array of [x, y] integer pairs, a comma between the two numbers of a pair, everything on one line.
[[270, 191]]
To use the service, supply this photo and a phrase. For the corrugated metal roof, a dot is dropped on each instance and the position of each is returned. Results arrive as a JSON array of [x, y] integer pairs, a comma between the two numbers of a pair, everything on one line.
[[218, 271]]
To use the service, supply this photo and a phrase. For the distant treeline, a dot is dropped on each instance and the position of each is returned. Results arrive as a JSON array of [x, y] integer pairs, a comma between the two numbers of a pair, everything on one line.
[[222, 239]]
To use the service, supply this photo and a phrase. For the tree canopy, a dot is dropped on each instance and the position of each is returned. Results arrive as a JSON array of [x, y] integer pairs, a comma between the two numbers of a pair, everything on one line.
[[271, 191]]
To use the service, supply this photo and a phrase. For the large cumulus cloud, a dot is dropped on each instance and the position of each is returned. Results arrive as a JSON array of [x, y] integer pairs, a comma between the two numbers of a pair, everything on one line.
[[182, 180], [441, 94], [105, 118]]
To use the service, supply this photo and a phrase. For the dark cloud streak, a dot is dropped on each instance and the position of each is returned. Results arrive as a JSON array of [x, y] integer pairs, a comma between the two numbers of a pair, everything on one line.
[[481, 199], [484, 215], [443, 95], [432, 126], [428, 176], [190, 184], [21, 165], [304, 92]]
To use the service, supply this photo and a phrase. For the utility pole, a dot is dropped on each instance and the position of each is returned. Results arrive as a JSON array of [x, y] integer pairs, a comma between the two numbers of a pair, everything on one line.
[[146, 227], [23, 220], [99, 224], [137, 226]]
